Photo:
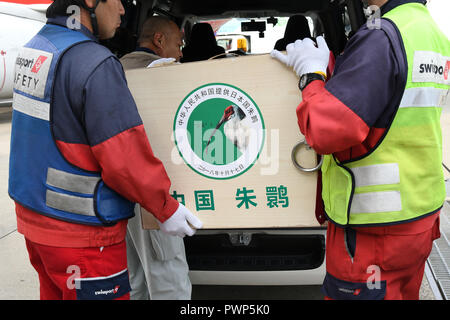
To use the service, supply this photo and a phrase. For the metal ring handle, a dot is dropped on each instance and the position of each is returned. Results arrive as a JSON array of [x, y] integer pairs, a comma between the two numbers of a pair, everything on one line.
[[294, 158]]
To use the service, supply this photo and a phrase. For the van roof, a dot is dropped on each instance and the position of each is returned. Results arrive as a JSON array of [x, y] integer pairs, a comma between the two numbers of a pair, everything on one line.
[[245, 7]]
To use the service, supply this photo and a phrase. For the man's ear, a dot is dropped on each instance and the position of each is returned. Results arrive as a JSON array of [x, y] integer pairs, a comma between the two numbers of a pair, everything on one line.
[[158, 40], [90, 3]]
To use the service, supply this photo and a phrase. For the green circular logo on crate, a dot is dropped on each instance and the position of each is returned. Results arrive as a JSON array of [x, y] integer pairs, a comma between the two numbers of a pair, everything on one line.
[[219, 131]]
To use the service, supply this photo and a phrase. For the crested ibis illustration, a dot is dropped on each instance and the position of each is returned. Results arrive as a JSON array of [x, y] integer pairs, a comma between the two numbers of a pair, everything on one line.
[[236, 129]]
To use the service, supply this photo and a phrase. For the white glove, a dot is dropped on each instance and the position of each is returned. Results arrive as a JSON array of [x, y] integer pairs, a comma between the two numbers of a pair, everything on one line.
[[177, 224], [304, 56], [161, 62]]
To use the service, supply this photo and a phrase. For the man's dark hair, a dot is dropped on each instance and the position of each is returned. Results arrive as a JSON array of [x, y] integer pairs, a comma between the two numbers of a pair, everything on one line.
[[59, 7], [152, 25]]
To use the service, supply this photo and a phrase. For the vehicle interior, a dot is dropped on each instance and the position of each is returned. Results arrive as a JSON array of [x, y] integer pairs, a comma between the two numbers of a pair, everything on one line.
[[336, 20]]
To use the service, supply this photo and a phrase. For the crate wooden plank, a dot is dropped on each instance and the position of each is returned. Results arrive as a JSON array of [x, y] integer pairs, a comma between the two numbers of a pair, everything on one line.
[[160, 94]]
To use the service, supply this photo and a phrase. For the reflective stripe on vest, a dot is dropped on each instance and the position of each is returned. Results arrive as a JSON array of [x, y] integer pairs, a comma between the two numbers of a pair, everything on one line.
[[69, 203], [71, 182], [84, 185], [374, 202], [377, 174], [34, 108], [425, 97]]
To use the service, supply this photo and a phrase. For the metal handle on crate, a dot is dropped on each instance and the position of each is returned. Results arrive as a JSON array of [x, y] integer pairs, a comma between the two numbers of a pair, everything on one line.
[[294, 158]]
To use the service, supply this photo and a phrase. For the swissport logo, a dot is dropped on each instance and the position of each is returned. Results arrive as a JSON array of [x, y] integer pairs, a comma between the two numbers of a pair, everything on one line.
[[219, 131], [37, 66], [447, 70], [431, 67], [106, 292], [354, 292], [32, 70]]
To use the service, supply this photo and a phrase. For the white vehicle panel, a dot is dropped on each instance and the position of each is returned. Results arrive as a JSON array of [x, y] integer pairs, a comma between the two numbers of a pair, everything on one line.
[[18, 24]]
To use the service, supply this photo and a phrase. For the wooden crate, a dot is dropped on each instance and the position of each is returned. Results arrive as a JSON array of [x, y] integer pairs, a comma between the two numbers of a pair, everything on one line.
[[270, 193]]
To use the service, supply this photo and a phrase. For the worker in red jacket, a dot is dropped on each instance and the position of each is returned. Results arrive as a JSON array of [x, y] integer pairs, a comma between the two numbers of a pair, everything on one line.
[[80, 158], [377, 123]]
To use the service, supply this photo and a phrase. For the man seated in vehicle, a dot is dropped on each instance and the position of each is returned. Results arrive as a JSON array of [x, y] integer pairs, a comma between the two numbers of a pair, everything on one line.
[[156, 261], [160, 38]]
